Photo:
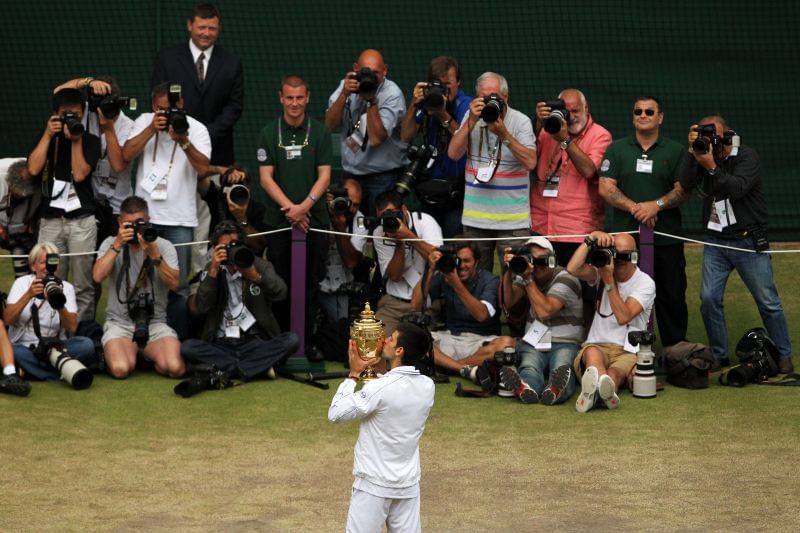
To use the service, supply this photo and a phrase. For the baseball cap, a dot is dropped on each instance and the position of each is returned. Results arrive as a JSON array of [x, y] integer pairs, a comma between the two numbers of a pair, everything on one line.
[[541, 242]]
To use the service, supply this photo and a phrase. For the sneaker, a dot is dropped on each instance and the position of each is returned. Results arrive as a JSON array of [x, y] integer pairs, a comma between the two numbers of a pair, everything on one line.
[[469, 372], [271, 373], [588, 390], [483, 377], [511, 380], [559, 379], [12, 384], [605, 389]]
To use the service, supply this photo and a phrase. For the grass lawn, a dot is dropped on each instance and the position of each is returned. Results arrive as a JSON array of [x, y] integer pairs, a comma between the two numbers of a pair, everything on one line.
[[131, 455]]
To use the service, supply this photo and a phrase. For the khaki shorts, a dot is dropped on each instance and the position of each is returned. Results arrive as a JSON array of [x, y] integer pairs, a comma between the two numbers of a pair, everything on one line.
[[460, 346], [119, 330], [614, 356]]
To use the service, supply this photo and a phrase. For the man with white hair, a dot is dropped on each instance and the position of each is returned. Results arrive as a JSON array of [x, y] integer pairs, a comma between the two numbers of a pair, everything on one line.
[[501, 152]]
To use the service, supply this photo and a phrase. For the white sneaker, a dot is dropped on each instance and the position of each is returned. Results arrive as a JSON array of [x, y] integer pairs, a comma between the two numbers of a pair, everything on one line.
[[607, 393], [588, 390]]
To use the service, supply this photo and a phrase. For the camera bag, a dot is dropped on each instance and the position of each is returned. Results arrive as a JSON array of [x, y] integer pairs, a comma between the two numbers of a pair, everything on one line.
[[688, 364]]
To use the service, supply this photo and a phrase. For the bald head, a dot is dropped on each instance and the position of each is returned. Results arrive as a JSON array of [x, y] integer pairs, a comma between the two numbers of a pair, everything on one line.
[[624, 242], [373, 60]]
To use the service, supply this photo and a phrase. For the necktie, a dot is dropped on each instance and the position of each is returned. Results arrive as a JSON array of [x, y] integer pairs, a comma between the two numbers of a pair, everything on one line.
[[200, 70]]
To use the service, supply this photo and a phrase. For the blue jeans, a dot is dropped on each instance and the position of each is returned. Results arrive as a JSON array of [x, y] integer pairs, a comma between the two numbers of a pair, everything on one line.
[[177, 235], [756, 273], [535, 365], [372, 185], [80, 348]]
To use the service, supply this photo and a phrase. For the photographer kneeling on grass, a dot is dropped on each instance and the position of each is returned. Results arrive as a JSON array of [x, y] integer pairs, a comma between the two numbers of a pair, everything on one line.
[[141, 268], [240, 334], [41, 312], [625, 298]]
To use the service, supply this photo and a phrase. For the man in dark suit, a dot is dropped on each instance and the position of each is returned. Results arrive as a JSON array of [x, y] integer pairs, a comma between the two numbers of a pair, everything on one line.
[[211, 78]]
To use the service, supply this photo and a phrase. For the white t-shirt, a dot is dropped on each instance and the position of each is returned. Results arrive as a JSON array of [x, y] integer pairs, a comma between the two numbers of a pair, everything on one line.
[[426, 228], [606, 329], [179, 208], [106, 183], [21, 331]]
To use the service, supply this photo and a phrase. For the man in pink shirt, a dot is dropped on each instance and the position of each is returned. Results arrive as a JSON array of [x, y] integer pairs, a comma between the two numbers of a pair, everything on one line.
[[565, 199]]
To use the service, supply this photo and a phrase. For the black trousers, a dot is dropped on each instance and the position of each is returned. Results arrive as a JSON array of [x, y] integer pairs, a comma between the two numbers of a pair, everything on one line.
[[672, 314], [245, 358], [279, 253]]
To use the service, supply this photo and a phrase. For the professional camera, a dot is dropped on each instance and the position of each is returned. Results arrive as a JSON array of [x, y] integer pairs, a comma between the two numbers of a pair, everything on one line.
[[19, 244], [51, 350], [176, 117], [558, 115], [367, 82], [435, 95], [599, 257], [239, 254], [237, 193], [390, 221], [145, 229], [53, 286], [644, 378], [73, 123], [422, 158], [494, 107], [141, 311], [523, 257], [340, 203], [758, 359], [706, 137], [110, 104], [449, 261], [508, 356], [204, 377]]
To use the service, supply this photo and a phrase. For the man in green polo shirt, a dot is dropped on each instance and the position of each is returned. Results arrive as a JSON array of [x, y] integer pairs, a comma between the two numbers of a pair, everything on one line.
[[639, 182], [294, 154]]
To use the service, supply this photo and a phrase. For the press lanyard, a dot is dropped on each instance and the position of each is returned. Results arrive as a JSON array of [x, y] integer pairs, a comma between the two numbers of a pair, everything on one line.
[[280, 136], [171, 158], [241, 310]]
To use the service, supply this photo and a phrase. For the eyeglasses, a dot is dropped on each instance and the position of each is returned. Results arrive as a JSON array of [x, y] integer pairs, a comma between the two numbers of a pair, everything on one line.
[[648, 112]]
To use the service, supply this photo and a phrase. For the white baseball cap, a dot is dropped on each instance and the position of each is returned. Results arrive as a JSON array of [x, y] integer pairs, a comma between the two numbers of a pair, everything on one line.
[[541, 242]]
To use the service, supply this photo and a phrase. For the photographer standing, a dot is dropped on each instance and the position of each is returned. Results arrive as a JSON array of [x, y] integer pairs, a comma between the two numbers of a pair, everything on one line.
[[436, 109], [41, 306], [240, 335], [607, 358], [366, 109], [170, 163], [728, 177], [548, 300], [401, 262], [501, 153], [141, 268], [63, 161], [19, 206]]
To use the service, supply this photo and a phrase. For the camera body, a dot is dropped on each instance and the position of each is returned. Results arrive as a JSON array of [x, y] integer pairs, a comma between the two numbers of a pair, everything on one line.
[[707, 138], [523, 257], [340, 204], [494, 107], [145, 229], [176, 117], [558, 116], [51, 350], [599, 257], [435, 95], [73, 123], [110, 104], [367, 82], [644, 377], [422, 158], [508, 356], [449, 261], [239, 255], [141, 311], [53, 286]]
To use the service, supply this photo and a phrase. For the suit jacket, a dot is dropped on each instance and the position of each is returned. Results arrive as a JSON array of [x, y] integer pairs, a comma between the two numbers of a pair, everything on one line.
[[217, 103]]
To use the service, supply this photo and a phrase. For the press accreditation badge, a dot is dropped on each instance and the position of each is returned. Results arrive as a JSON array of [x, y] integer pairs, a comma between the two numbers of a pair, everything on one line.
[[160, 192], [721, 215], [150, 181], [551, 187], [59, 195], [294, 152], [539, 336], [72, 202], [644, 166], [485, 174], [232, 330]]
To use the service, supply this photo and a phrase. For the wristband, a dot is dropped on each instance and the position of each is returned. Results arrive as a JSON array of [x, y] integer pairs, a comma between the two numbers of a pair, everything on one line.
[[312, 198], [588, 241], [116, 250], [87, 81]]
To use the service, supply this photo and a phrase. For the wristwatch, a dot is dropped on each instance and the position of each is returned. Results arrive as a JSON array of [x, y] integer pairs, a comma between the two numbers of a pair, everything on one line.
[[588, 241], [156, 262], [446, 124], [563, 144], [713, 171], [185, 146], [507, 142], [660, 203], [610, 287]]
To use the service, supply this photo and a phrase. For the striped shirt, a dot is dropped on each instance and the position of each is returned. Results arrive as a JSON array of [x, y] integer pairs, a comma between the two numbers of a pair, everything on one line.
[[503, 202]]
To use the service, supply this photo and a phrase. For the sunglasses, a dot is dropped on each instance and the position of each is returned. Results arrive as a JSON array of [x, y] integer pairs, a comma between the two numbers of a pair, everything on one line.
[[648, 112]]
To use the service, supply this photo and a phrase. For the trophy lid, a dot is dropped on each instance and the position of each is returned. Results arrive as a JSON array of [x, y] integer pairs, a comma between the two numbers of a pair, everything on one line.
[[367, 322]]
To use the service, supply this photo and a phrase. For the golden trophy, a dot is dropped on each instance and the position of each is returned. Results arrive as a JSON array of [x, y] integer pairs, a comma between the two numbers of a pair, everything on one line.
[[368, 332]]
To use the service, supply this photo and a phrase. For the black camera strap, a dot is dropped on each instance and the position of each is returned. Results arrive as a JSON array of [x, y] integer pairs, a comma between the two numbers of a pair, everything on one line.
[[145, 272]]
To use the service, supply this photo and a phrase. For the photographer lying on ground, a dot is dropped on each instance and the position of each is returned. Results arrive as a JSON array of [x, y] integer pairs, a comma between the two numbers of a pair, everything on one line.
[[42, 306], [141, 268], [607, 358]]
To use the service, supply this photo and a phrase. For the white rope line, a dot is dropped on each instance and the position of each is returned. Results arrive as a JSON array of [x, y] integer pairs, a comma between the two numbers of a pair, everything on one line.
[[454, 239]]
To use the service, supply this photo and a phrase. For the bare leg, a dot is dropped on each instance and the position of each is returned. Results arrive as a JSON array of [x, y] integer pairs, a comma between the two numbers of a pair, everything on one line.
[[120, 357], [165, 353]]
